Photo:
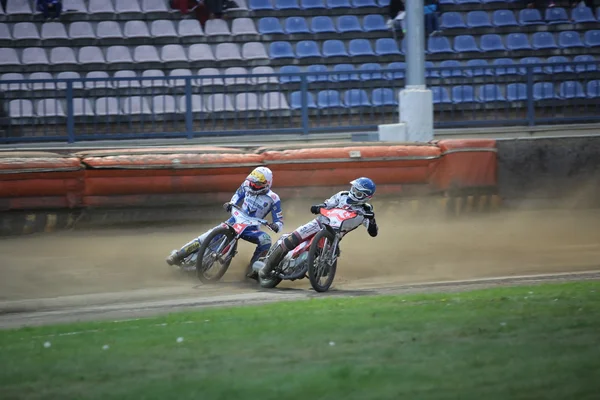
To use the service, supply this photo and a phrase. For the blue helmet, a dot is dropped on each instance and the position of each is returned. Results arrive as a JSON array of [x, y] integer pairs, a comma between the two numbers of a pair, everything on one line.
[[361, 191]]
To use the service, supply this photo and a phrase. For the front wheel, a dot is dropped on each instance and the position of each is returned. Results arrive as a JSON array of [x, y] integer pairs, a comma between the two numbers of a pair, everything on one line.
[[320, 271], [216, 244]]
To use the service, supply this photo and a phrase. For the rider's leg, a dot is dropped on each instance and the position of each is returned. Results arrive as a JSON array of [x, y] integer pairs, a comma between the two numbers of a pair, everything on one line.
[[177, 256], [262, 240]]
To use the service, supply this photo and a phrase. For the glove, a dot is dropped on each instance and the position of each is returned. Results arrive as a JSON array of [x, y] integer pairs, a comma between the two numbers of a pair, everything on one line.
[[227, 206], [315, 209], [274, 226], [373, 229]]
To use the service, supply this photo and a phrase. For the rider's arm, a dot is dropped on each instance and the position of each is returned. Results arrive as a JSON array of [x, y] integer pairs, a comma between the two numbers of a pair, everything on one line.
[[276, 212], [370, 222], [239, 195], [333, 201]]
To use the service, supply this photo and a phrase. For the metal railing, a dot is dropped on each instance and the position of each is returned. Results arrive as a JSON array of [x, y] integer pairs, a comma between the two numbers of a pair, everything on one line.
[[300, 103]]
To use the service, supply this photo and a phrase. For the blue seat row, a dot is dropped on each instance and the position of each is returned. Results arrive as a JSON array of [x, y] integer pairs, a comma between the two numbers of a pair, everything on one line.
[[268, 5], [333, 48], [350, 98], [321, 24]]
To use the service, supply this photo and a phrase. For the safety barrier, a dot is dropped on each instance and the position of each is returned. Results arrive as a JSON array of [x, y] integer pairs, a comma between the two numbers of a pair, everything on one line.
[[204, 176]]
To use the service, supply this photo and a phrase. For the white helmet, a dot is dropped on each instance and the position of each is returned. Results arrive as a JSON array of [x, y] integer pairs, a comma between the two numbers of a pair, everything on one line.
[[260, 180]]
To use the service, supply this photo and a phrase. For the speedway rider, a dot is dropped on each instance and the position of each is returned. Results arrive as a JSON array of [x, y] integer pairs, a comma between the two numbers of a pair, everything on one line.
[[258, 200], [361, 191]]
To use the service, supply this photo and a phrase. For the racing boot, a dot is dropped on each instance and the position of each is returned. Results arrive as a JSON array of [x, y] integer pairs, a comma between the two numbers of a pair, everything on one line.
[[288, 244], [174, 258], [177, 256]]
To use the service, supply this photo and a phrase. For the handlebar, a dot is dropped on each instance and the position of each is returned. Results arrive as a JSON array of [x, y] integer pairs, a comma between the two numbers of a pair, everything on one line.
[[263, 222]]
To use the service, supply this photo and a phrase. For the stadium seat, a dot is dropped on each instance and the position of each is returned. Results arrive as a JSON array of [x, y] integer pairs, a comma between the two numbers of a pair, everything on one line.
[[91, 57], [370, 72], [227, 52], [492, 42], [356, 98], [319, 72], [569, 40], [490, 93], [214, 80], [129, 79], [158, 80], [517, 41], [128, 10], [100, 9], [429, 72], [452, 20], [374, 23], [20, 108], [543, 91], [543, 41], [571, 90], [197, 104], [343, 73], [440, 95], [465, 44], [360, 48], [364, 3], [243, 26], [308, 49], [348, 24], [163, 31], [582, 15], [273, 101], [592, 38], [400, 66], [246, 102], [107, 106], [383, 97], [290, 69], [9, 87], [82, 107], [467, 1], [154, 9], [109, 30], [81, 31], [587, 67], [328, 99], [26, 33], [200, 52], [75, 8], [133, 30], [189, 30], [447, 2], [452, 68], [216, 27], [478, 19], [322, 24], [312, 4], [530, 60], [438, 45], [556, 15], [516, 92], [287, 5], [558, 66], [386, 47], [179, 72], [219, 102], [333, 4], [278, 50], [54, 33], [530, 16], [258, 5], [254, 51], [463, 94], [503, 18], [97, 84], [174, 56], [269, 26], [49, 108], [504, 71], [296, 25], [478, 68], [593, 89], [60, 56], [9, 58], [296, 100], [39, 85], [334, 48], [62, 76]]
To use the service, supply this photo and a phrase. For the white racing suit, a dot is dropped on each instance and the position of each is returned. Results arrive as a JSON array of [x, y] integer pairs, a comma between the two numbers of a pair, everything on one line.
[[258, 206], [311, 228]]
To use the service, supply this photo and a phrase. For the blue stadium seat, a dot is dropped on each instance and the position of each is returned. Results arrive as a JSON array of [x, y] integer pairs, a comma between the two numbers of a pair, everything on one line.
[[598, 13], [452, 20], [322, 24], [400, 66], [287, 5], [452, 68], [483, 71], [516, 92], [543, 41], [492, 1], [307, 49], [517, 41], [356, 98], [334, 48], [383, 97], [296, 100], [260, 5], [348, 23], [556, 15], [296, 25], [269, 26], [386, 47], [383, 3], [490, 93], [571, 90], [505, 71], [592, 38], [557, 68], [569, 40], [463, 94], [440, 95], [492, 42], [312, 5], [429, 71], [467, 1], [364, 3], [328, 99], [504, 18], [447, 2], [582, 15], [438, 45], [587, 67], [530, 60], [370, 72], [360, 48], [280, 49], [465, 44], [593, 89], [374, 23], [530, 16], [338, 4], [478, 19], [543, 91], [345, 73], [290, 69], [317, 73]]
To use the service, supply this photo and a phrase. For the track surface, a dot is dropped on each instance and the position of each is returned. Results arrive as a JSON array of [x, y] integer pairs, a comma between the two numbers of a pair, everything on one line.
[[120, 273]]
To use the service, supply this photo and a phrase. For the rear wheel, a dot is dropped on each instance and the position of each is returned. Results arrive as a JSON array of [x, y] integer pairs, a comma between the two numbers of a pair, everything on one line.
[[320, 272], [209, 265]]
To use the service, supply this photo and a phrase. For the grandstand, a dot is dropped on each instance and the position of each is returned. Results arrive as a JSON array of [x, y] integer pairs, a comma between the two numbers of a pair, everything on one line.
[[137, 67]]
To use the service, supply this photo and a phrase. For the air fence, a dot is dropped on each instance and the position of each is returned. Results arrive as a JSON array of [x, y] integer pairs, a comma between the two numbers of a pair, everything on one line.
[[343, 100]]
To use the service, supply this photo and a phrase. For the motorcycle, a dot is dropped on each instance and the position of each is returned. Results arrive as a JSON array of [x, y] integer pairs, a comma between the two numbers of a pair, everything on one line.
[[316, 257], [220, 246]]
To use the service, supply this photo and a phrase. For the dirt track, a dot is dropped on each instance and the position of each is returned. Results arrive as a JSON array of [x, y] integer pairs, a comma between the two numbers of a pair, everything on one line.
[[54, 273]]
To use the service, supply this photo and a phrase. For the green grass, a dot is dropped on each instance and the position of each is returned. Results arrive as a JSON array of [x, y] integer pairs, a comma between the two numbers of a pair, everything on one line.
[[504, 343]]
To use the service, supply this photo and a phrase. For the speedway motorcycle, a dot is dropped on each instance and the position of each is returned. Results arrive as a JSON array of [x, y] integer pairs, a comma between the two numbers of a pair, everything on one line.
[[316, 257]]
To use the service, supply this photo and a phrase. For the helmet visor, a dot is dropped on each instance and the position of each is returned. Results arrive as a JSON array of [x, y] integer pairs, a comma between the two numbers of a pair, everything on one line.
[[357, 194], [257, 186]]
